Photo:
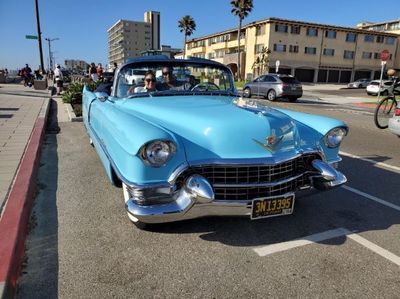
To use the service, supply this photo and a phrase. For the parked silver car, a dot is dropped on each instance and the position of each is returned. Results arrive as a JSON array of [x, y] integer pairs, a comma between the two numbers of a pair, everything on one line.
[[274, 86], [360, 83]]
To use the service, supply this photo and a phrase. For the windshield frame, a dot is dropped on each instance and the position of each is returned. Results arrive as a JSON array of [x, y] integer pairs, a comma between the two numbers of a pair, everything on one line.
[[151, 63]]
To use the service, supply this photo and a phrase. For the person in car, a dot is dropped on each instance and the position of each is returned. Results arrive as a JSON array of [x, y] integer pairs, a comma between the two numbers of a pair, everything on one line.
[[149, 84]]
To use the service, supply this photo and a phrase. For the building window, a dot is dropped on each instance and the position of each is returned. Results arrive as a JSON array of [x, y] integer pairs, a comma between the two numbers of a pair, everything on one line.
[[380, 39], [351, 37], [369, 38], [377, 55], [295, 29], [329, 52], [258, 48], [260, 30], [279, 48], [312, 32], [348, 54], [211, 55], [310, 50], [390, 40], [281, 28], [294, 49], [330, 34], [367, 55]]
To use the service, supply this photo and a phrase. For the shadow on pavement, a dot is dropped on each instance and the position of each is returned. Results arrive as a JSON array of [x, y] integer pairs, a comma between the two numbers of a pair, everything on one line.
[[39, 277]]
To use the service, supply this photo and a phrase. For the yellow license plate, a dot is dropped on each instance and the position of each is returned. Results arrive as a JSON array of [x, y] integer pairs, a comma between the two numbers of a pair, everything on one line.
[[272, 206]]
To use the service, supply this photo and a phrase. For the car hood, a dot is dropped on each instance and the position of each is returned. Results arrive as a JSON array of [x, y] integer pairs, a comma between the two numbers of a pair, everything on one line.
[[216, 127]]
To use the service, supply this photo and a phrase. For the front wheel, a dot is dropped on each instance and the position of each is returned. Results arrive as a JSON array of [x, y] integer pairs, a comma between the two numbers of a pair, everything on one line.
[[247, 93], [384, 111]]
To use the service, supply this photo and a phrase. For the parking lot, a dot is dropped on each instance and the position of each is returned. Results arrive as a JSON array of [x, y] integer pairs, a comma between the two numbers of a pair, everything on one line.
[[342, 243]]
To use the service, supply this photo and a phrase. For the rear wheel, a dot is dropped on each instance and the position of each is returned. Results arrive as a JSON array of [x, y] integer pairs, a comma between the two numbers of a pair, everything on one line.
[[247, 92], [384, 111], [271, 95]]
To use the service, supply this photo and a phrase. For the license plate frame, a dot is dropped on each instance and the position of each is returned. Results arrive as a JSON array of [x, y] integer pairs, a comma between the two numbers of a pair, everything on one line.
[[261, 207]]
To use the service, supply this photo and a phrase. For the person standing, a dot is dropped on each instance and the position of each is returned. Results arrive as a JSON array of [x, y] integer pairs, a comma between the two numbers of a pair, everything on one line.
[[58, 78], [99, 71], [27, 75], [93, 72]]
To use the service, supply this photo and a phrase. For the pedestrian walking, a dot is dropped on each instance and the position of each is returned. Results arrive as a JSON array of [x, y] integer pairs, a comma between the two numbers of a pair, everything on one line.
[[58, 78], [26, 74], [99, 71]]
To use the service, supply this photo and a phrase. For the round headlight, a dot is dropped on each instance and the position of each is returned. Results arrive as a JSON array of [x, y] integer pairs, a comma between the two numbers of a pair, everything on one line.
[[334, 137], [157, 153]]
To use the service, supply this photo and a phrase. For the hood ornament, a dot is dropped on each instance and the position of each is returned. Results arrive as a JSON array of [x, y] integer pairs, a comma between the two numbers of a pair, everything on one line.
[[271, 141]]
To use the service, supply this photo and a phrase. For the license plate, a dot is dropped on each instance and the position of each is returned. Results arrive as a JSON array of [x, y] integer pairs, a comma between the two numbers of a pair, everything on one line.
[[272, 206]]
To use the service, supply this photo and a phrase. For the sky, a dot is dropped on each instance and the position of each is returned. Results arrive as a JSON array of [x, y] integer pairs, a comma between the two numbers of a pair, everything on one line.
[[81, 25]]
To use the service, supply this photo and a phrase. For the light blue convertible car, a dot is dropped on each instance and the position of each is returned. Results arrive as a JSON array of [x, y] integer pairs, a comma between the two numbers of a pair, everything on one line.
[[191, 147]]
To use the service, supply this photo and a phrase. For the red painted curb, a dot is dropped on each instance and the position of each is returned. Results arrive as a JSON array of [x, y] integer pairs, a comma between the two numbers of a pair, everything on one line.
[[15, 218]]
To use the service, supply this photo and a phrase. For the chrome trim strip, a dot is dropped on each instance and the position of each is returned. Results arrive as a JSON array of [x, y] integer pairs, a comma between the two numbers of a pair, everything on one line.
[[258, 185]]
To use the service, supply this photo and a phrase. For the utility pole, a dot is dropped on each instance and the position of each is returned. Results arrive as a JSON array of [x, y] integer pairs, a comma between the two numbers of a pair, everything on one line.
[[39, 36], [49, 40]]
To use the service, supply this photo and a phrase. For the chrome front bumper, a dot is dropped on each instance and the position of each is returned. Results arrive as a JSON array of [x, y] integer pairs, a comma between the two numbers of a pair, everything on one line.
[[196, 199]]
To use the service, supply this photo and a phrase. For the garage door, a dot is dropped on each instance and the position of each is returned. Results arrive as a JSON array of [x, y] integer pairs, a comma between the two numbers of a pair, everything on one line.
[[285, 71], [345, 76], [304, 75], [361, 75]]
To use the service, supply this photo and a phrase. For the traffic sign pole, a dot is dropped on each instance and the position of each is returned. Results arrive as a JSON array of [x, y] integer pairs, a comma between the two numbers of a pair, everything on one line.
[[39, 36]]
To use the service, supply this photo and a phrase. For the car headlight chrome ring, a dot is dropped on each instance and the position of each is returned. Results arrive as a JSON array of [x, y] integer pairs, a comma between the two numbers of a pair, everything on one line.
[[158, 152], [335, 136]]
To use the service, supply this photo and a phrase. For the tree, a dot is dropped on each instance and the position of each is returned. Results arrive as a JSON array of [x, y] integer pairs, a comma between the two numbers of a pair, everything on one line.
[[261, 62], [188, 26], [241, 9]]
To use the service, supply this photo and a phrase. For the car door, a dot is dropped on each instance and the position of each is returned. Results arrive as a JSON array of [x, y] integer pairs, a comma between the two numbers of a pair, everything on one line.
[[256, 85], [269, 83]]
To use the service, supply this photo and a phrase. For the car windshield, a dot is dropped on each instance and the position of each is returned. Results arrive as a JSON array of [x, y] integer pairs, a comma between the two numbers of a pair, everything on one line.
[[173, 78]]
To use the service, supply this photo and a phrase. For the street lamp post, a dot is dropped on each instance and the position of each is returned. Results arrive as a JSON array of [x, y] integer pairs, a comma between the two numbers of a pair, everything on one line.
[[39, 35], [49, 40]]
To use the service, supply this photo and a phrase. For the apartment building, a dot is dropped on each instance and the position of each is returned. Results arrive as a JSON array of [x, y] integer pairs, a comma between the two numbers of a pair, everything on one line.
[[75, 64], [129, 38], [312, 52]]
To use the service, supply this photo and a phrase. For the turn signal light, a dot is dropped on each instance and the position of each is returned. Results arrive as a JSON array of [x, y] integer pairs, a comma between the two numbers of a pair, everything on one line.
[[397, 112]]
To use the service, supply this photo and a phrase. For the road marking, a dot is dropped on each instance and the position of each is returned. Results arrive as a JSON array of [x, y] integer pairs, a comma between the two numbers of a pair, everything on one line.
[[371, 197], [278, 247], [330, 234], [375, 248], [391, 167]]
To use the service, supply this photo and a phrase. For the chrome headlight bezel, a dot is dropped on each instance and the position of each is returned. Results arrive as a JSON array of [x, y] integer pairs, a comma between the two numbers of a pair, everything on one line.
[[157, 153], [335, 136]]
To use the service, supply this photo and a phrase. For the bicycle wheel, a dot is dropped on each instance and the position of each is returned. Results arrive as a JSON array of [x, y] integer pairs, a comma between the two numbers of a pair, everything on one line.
[[384, 111]]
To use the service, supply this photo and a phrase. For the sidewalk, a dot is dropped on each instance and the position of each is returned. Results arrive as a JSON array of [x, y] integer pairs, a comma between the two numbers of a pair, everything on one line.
[[23, 114]]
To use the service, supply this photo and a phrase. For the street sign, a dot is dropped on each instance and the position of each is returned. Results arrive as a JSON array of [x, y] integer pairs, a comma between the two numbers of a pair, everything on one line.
[[385, 55], [31, 37]]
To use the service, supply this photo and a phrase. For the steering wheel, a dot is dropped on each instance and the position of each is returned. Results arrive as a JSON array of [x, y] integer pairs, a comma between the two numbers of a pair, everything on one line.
[[205, 86]]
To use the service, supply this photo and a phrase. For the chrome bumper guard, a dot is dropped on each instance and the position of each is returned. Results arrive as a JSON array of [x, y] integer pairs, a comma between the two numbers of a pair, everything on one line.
[[196, 199]]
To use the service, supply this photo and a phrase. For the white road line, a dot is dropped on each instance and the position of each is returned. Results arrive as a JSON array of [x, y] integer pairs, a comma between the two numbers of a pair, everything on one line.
[[371, 197], [330, 234], [375, 248], [391, 167]]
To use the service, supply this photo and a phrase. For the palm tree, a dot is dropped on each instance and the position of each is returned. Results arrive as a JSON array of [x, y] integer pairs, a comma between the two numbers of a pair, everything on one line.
[[187, 25], [241, 8]]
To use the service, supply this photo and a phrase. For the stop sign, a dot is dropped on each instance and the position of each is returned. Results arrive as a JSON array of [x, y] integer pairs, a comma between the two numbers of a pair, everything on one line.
[[385, 55]]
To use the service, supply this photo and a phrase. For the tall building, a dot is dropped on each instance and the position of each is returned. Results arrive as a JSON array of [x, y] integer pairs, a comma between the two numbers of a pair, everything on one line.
[[153, 17], [129, 38], [310, 51]]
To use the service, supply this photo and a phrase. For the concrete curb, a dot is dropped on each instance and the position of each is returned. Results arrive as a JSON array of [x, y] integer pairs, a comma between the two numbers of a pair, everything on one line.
[[71, 114], [15, 218]]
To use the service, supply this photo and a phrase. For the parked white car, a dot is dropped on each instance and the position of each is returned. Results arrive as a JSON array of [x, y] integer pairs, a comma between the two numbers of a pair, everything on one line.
[[374, 86]]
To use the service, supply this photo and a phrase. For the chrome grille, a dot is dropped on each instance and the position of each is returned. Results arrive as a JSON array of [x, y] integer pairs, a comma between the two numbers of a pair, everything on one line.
[[227, 179]]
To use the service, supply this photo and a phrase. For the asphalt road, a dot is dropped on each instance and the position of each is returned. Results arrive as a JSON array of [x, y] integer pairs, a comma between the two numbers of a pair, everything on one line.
[[342, 243]]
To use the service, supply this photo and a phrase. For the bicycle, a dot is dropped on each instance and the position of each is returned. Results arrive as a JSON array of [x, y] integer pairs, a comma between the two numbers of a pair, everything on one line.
[[385, 108]]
